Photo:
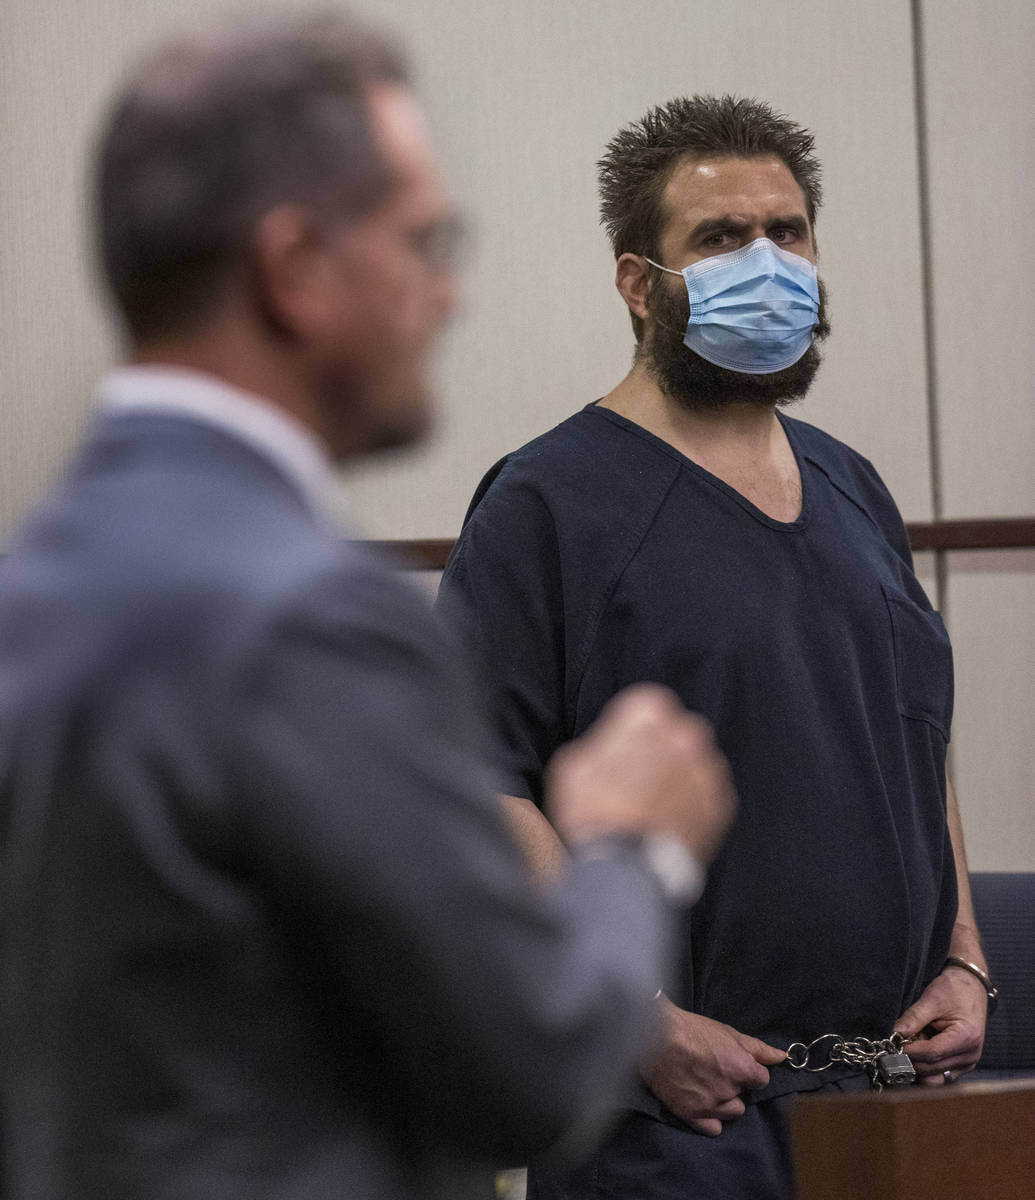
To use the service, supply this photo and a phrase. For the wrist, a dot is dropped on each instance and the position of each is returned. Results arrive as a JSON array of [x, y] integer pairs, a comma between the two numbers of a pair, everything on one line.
[[979, 973], [677, 872], [965, 942]]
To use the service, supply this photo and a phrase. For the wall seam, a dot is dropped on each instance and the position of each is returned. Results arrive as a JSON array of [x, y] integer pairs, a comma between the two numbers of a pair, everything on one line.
[[934, 448], [934, 445]]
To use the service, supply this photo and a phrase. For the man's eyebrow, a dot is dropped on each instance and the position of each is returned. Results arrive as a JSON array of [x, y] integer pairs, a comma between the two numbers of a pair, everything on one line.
[[712, 225], [794, 221]]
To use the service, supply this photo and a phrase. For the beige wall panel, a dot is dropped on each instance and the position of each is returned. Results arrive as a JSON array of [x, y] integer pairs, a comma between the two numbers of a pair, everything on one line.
[[991, 610], [980, 69], [523, 99], [542, 88], [926, 572], [58, 64]]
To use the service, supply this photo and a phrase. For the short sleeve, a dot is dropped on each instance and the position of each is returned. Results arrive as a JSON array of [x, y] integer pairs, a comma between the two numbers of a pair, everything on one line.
[[505, 578]]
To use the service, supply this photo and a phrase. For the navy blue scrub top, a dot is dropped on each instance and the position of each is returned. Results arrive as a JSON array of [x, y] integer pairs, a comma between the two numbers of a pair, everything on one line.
[[598, 556]]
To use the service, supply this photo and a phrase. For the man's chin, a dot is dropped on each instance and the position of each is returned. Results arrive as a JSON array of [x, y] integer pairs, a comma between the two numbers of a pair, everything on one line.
[[396, 438], [402, 427], [376, 417], [701, 386]]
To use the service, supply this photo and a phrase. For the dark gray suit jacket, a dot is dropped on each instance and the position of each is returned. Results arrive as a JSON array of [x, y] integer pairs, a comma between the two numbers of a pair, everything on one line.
[[263, 932]]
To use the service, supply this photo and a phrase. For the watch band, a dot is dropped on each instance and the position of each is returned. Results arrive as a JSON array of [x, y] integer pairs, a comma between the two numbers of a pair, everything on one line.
[[993, 992], [679, 874]]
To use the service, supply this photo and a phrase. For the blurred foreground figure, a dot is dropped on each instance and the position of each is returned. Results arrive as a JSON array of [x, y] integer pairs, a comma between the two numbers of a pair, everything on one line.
[[265, 933]]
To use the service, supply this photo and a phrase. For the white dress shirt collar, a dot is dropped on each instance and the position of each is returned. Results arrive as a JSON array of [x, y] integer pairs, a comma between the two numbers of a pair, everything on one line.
[[276, 435]]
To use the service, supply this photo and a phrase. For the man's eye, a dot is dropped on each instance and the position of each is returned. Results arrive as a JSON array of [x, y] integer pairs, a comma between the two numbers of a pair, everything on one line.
[[782, 235]]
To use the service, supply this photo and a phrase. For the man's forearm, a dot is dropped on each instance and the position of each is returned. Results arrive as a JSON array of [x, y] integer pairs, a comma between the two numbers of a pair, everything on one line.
[[947, 1020], [543, 849], [966, 940]]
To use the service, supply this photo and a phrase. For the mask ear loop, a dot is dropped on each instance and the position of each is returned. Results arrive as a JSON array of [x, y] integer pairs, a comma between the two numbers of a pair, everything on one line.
[[679, 333], [660, 267]]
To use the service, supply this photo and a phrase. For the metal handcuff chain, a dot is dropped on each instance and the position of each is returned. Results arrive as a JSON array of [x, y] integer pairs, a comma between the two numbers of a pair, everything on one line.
[[857, 1052]]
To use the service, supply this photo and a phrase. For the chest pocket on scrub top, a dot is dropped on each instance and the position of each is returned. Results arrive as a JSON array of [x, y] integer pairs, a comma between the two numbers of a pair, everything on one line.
[[923, 662]]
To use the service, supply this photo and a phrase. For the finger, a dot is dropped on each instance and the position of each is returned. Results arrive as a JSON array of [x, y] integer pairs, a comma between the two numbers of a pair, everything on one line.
[[765, 1054], [940, 1078], [750, 1072], [638, 709], [706, 1125], [756, 1079], [728, 1110], [761, 1052], [916, 1018], [957, 1064], [942, 1046], [922, 1056]]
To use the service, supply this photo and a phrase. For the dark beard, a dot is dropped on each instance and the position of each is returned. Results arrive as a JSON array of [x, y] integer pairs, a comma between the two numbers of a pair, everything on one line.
[[699, 385]]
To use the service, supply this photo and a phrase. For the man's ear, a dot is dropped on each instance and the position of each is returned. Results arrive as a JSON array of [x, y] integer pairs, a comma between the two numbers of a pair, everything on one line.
[[293, 272], [632, 281]]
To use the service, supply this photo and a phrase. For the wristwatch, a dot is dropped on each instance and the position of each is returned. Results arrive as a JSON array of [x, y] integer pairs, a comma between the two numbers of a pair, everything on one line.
[[991, 990], [665, 856]]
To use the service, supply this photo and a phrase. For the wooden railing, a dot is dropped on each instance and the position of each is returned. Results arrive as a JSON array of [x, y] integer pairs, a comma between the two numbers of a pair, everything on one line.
[[984, 533]]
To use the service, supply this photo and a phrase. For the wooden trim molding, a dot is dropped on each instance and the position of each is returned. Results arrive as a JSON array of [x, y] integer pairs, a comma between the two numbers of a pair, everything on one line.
[[978, 533], [985, 533], [429, 554]]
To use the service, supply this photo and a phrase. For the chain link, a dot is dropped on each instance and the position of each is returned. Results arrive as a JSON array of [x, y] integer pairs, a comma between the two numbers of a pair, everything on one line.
[[857, 1052]]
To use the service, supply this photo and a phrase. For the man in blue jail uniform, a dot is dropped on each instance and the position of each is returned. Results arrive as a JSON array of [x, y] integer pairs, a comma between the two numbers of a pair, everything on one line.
[[684, 530]]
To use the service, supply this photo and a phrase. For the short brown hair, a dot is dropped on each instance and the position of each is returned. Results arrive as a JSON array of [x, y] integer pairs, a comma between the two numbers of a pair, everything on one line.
[[216, 128], [640, 159]]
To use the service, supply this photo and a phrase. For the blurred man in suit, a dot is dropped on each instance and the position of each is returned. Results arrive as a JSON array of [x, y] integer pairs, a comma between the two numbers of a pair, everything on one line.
[[264, 931]]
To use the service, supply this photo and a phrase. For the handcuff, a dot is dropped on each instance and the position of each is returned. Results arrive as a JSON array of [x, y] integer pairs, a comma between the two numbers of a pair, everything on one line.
[[885, 1059]]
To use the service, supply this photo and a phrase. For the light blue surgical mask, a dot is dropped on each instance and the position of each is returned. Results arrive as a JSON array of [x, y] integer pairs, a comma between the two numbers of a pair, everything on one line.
[[751, 310]]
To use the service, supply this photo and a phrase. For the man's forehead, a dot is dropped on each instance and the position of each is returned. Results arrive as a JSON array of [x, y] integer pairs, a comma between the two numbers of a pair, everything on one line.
[[400, 128], [706, 184]]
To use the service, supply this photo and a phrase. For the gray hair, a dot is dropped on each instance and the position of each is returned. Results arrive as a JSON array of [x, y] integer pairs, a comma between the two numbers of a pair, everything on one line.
[[214, 129]]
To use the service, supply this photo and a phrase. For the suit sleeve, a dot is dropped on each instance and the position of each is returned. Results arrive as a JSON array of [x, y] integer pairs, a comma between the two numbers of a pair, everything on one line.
[[505, 1022]]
